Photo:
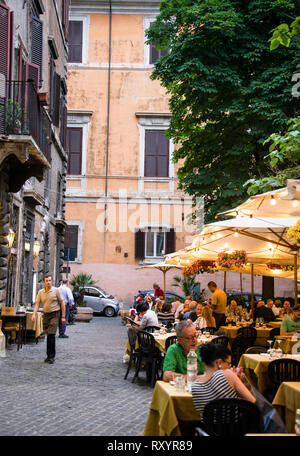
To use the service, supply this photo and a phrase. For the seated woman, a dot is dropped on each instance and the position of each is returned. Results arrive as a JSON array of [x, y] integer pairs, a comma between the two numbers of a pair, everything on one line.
[[166, 315], [158, 305], [206, 319], [216, 383]]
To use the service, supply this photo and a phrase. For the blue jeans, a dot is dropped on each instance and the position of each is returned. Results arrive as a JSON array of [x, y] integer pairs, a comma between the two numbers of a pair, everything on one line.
[[62, 327]]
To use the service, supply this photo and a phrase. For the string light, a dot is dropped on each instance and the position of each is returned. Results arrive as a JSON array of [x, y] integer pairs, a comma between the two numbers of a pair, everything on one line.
[[272, 201]]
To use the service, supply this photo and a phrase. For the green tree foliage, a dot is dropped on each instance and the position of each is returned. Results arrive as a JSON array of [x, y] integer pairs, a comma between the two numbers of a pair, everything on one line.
[[228, 91]]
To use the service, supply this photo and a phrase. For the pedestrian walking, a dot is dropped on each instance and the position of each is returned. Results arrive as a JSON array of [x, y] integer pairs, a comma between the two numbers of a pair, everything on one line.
[[52, 301], [69, 302]]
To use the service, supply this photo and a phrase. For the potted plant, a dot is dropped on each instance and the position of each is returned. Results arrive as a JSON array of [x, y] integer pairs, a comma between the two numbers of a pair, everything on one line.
[[78, 282]]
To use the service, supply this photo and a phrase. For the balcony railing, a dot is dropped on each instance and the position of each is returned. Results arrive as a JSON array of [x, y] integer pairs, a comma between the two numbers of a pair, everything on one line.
[[22, 114]]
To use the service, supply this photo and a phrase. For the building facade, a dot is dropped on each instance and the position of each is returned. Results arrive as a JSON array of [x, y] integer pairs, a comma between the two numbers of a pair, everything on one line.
[[123, 206], [33, 161]]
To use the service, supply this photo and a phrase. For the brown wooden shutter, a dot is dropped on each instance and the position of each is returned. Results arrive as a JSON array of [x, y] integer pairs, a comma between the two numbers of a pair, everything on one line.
[[65, 18], [74, 147], [32, 74], [155, 54], [37, 44], [5, 25], [139, 245], [71, 242], [75, 41], [63, 121], [156, 154], [170, 241], [56, 99]]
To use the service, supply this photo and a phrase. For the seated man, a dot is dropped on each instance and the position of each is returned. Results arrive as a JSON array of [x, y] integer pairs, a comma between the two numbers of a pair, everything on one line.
[[176, 356], [233, 309], [286, 310], [191, 314], [291, 325], [264, 312]]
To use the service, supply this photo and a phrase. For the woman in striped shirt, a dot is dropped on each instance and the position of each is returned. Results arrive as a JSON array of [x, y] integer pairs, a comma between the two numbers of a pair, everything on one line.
[[216, 383], [165, 315]]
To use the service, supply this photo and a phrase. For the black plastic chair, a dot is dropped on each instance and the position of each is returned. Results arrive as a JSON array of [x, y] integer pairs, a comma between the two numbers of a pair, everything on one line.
[[223, 340], [210, 329], [170, 341], [149, 354], [151, 329], [230, 417], [281, 370], [284, 370], [256, 349], [132, 336], [237, 349], [273, 333], [248, 335]]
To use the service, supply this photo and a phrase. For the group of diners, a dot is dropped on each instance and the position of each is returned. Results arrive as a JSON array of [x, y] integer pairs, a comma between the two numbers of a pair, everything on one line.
[[214, 312]]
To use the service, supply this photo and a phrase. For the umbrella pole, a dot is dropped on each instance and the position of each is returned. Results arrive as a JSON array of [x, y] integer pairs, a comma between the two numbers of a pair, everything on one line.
[[225, 272], [295, 279], [241, 283], [164, 272], [252, 286]]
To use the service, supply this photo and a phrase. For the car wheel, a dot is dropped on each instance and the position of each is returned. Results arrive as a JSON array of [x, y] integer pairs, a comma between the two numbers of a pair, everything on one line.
[[109, 311]]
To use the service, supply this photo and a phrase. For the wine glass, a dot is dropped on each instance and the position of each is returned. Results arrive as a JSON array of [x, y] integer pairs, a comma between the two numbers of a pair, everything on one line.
[[270, 350]]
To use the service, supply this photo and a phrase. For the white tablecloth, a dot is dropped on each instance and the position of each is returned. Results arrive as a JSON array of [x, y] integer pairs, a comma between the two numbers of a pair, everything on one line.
[[2, 345]]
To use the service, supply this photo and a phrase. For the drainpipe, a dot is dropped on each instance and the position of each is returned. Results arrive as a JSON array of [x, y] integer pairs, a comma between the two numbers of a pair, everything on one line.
[[107, 131]]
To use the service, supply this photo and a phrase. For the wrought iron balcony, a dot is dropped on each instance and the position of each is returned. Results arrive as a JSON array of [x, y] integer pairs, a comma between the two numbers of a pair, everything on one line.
[[21, 114]]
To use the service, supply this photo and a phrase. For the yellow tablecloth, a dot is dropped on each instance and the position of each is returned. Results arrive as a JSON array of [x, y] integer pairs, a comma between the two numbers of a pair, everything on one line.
[[36, 325], [256, 370], [2, 344], [285, 344], [262, 334], [275, 324], [160, 342], [287, 401], [167, 408]]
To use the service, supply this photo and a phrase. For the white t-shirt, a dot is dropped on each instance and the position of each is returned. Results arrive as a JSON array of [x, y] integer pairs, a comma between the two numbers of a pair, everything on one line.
[[149, 319]]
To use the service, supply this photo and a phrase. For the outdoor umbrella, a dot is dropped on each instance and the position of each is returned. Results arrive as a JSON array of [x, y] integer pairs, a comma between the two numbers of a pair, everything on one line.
[[283, 202], [164, 267], [264, 240]]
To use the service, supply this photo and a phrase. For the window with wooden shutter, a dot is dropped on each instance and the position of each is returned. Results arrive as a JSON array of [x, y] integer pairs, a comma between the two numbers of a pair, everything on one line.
[[74, 148], [65, 18], [156, 154], [4, 40], [75, 41], [37, 44], [170, 241], [139, 245], [71, 243], [63, 121], [56, 99], [155, 54]]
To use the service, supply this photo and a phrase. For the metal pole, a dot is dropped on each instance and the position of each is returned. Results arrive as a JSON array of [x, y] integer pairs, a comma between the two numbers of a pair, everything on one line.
[[225, 272], [296, 278]]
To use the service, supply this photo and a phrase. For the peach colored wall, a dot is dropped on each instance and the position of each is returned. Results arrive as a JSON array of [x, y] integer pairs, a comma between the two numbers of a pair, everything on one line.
[[124, 281]]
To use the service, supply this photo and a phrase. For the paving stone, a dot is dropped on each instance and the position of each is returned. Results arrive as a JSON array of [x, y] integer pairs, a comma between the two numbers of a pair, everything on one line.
[[82, 394]]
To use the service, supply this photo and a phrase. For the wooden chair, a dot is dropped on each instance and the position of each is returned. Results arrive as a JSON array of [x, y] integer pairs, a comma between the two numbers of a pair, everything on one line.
[[10, 328]]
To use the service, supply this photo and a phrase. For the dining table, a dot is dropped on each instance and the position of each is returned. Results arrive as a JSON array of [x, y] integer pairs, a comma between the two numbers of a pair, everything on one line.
[[262, 334], [286, 402], [170, 411], [285, 343], [256, 369], [37, 325]]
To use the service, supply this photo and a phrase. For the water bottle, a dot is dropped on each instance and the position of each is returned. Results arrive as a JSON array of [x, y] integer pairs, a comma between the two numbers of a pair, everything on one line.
[[192, 368], [297, 422]]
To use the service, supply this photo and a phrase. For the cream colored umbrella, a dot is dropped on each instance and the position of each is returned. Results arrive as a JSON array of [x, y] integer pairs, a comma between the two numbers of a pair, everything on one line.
[[264, 240], [164, 267], [283, 203]]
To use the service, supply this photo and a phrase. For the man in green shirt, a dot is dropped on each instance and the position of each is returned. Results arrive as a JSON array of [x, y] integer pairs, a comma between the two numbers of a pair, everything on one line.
[[291, 325], [176, 356]]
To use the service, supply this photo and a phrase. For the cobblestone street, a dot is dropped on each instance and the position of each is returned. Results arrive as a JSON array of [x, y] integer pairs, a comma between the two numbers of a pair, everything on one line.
[[83, 394]]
